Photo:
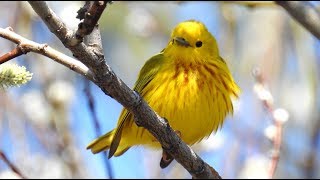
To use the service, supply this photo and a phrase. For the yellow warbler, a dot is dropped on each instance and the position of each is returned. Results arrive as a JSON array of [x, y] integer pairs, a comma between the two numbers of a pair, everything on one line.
[[188, 83]]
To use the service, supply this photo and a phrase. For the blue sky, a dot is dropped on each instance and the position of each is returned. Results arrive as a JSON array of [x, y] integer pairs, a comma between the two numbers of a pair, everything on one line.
[[250, 122]]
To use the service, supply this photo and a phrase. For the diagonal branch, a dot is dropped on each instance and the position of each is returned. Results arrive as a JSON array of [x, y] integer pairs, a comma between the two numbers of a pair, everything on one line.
[[305, 13], [55, 24], [111, 84], [11, 165], [11, 55]]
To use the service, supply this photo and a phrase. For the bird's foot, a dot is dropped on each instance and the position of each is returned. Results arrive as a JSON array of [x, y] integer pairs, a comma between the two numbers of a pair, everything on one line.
[[166, 158]]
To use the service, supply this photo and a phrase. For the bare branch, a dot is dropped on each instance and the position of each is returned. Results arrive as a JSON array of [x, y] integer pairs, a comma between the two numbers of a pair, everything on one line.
[[275, 156], [109, 83], [66, 36], [82, 11], [54, 23], [305, 13], [11, 165], [11, 55], [91, 18], [93, 40], [25, 46]]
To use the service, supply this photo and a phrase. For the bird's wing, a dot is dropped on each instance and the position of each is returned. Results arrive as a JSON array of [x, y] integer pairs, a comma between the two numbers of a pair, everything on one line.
[[147, 73]]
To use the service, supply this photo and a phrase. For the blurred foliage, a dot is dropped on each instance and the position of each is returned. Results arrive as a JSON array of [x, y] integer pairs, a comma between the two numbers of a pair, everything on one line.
[[45, 125]]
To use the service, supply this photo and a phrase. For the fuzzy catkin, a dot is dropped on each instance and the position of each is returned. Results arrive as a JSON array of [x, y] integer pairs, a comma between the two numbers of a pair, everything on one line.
[[13, 75]]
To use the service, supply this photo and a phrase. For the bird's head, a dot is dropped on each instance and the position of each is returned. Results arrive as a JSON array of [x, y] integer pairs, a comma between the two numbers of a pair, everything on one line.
[[190, 38]]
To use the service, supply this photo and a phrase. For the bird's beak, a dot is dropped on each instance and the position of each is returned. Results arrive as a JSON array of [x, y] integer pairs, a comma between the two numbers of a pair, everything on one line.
[[181, 41]]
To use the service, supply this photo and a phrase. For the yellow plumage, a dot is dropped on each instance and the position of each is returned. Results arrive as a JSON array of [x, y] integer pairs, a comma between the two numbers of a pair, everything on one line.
[[188, 83]]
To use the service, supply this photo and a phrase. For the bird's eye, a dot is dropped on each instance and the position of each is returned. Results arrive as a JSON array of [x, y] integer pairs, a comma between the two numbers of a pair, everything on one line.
[[198, 43]]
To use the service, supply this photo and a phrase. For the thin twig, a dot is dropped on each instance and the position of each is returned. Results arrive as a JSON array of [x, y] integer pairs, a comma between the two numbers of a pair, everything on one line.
[[11, 165], [25, 46], [305, 13], [11, 55], [97, 128], [267, 101], [111, 84], [275, 156]]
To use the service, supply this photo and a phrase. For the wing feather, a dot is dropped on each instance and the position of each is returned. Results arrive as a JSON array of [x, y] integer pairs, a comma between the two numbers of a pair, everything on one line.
[[147, 73]]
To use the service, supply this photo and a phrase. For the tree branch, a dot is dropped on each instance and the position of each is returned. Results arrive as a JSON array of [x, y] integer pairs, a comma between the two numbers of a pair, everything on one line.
[[82, 11], [11, 165], [305, 13], [54, 23], [25, 46], [91, 15], [11, 55], [109, 83]]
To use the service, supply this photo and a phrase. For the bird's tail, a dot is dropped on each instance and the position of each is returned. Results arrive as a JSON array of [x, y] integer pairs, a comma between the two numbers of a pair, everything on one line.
[[103, 143]]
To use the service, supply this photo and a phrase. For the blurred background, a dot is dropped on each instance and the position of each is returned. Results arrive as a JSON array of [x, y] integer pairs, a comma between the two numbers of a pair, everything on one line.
[[46, 124]]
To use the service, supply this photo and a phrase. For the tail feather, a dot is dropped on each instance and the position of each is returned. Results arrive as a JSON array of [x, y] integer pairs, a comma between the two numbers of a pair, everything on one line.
[[120, 151], [102, 143]]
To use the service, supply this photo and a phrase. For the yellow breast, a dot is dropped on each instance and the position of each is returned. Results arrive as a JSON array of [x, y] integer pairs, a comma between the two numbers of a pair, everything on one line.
[[193, 100]]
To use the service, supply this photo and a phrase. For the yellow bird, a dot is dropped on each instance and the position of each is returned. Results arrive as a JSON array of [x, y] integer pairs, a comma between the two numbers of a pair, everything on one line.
[[188, 83]]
